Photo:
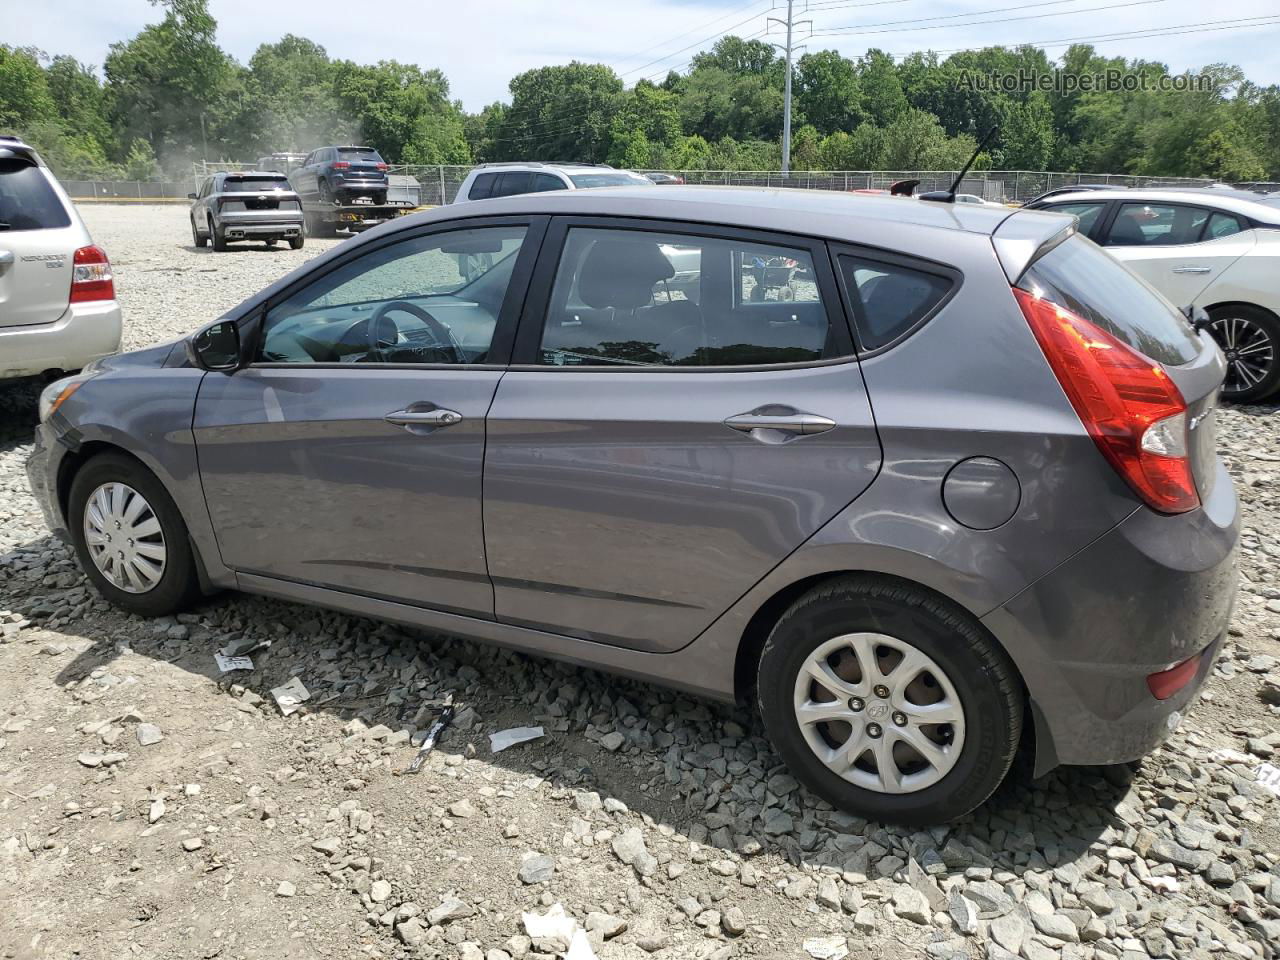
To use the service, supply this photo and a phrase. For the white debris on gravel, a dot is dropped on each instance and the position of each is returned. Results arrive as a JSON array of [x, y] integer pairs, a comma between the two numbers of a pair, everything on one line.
[[656, 823]]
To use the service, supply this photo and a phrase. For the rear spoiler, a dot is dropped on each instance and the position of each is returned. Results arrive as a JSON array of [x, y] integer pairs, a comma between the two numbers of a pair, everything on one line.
[[1025, 236]]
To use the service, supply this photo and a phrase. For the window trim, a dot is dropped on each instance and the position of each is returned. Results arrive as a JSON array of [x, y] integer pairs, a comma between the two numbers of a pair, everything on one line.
[[537, 302], [504, 332], [853, 298]]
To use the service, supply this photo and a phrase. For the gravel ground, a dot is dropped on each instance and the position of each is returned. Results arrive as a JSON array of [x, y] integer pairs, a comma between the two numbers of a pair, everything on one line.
[[151, 807]]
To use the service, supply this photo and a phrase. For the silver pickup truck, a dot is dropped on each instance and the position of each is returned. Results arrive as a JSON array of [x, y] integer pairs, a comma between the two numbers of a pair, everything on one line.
[[246, 206]]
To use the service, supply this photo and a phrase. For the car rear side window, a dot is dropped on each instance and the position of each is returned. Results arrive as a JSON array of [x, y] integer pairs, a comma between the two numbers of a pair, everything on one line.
[[1222, 225], [633, 298], [27, 201], [1084, 279], [482, 186], [511, 184], [1156, 224], [543, 182], [890, 299]]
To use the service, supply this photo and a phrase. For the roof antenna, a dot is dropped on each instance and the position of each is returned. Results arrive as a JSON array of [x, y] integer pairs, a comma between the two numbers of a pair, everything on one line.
[[949, 195]]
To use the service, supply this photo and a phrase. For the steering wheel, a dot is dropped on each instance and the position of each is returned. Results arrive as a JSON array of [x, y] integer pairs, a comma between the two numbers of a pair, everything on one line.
[[438, 330]]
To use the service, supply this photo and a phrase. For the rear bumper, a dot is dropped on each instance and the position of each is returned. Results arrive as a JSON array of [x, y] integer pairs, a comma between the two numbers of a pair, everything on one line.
[[279, 228], [86, 331], [1153, 592]]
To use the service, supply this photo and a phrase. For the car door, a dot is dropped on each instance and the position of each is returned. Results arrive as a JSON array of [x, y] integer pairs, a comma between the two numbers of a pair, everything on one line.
[[656, 448], [348, 454], [1179, 249]]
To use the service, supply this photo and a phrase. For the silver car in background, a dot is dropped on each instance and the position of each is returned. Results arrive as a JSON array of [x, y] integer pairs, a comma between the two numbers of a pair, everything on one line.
[[58, 309], [261, 205]]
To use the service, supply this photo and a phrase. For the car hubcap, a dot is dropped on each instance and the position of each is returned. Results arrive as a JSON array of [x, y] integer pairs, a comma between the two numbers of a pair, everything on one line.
[[879, 713], [124, 538], [1249, 351]]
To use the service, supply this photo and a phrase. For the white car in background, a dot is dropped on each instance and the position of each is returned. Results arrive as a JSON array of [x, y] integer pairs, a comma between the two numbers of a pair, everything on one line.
[[58, 308], [1211, 248]]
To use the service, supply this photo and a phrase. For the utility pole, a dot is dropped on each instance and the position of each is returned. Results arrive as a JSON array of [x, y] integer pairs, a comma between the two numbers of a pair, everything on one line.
[[790, 24]]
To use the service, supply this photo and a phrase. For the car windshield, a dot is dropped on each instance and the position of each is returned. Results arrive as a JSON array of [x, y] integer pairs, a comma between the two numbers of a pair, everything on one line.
[[254, 184], [27, 201], [607, 180], [359, 153]]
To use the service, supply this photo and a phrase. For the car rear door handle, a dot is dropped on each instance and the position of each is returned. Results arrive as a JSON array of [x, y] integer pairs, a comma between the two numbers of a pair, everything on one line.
[[1193, 269], [439, 417], [6, 256], [798, 423]]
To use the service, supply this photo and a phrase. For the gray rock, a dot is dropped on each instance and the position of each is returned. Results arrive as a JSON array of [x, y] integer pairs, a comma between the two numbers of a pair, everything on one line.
[[1009, 931], [411, 932], [990, 899], [607, 925], [149, 734], [450, 909], [380, 891], [629, 847], [734, 922], [910, 904], [829, 893], [612, 741], [963, 913], [1057, 926], [1164, 850], [462, 809], [537, 869]]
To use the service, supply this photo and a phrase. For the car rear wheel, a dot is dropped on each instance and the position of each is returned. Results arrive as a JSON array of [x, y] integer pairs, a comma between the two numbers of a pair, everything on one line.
[[130, 538], [296, 243], [889, 702], [219, 238], [1250, 340]]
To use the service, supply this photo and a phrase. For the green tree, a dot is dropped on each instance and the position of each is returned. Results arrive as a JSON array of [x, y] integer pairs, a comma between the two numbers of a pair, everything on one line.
[[806, 149], [827, 91], [561, 113], [882, 96], [140, 162], [405, 111], [78, 98], [1026, 136], [24, 91], [291, 102]]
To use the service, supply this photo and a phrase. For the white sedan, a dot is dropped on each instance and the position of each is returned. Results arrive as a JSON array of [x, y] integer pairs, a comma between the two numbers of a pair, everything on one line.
[[1216, 249]]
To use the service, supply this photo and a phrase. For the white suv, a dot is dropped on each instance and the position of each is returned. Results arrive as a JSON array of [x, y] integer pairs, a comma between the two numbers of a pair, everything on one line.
[[58, 308], [508, 179]]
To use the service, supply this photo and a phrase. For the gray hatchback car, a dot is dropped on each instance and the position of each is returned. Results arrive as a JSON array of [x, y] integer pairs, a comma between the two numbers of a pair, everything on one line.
[[946, 480]]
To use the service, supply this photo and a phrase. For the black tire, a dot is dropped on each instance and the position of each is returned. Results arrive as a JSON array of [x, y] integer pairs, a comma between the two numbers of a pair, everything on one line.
[[296, 243], [197, 237], [178, 586], [981, 674], [270, 243], [326, 195], [1254, 376], [219, 238]]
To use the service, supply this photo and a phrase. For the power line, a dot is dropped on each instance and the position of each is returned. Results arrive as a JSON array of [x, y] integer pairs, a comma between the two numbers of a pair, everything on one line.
[[953, 16], [691, 46], [680, 36], [863, 30]]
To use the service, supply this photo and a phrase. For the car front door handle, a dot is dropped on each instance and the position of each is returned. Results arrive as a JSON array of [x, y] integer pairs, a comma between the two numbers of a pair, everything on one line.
[[797, 423], [438, 417], [6, 257], [1193, 269]]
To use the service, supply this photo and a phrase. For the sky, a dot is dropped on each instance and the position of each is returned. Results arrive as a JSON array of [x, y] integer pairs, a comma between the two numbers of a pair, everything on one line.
[[481, 44]]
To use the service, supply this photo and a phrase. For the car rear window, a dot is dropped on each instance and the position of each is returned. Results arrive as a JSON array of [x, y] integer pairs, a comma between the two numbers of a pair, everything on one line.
[[254, 184], [27, 201], [359, 153], [1081, 277], [608, 180], [890, 299]]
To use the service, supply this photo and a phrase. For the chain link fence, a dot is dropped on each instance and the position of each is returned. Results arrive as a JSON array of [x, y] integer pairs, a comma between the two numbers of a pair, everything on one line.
[[439, 183], [127, 189]]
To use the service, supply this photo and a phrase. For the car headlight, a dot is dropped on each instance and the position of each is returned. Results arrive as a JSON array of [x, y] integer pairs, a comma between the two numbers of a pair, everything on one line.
[[56, 393]]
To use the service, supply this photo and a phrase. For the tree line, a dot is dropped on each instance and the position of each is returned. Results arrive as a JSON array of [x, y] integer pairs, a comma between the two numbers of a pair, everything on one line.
[[170, 94]]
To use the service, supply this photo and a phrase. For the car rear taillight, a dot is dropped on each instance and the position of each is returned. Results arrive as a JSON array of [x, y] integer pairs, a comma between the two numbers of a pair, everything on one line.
[[91, 276], [1131, 408], [1166, 683], [381, 166], [341, 165]]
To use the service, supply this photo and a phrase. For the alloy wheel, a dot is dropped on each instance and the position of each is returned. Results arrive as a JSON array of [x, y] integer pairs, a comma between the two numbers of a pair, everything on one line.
[[879, 713], [124, 537], [1248, 349]]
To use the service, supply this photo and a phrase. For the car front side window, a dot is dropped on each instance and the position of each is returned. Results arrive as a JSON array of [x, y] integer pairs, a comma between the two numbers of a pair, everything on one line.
[[427, 299], [1087, 213]]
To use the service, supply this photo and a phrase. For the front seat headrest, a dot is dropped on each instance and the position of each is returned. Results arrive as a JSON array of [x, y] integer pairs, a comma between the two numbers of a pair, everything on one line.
[[621, 273]]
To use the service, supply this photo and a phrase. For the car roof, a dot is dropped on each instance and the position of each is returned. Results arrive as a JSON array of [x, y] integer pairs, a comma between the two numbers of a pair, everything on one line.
[[1229, 201], [826, 213]]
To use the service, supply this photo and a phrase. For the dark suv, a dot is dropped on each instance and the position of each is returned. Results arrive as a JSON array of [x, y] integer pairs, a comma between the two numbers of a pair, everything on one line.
[[342, 175]]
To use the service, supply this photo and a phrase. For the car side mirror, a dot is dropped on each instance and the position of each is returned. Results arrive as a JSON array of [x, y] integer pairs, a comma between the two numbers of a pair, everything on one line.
[[216, 347], [191, 196]]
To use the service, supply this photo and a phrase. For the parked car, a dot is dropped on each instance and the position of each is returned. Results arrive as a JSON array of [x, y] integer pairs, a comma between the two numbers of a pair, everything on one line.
[[281, 162], [509, 179], [246, 206], [664, 179], [58, 309], [696, 491], [1215, 249], [342, 175], [1075, 188]]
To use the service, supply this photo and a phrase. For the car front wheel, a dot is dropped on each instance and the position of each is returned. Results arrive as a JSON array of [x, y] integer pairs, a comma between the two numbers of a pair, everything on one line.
[[1250, 340], [130, 538], [889, 702], [196, 237]]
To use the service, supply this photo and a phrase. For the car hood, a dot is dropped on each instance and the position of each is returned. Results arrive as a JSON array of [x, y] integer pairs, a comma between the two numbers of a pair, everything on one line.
[[146, 357]]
